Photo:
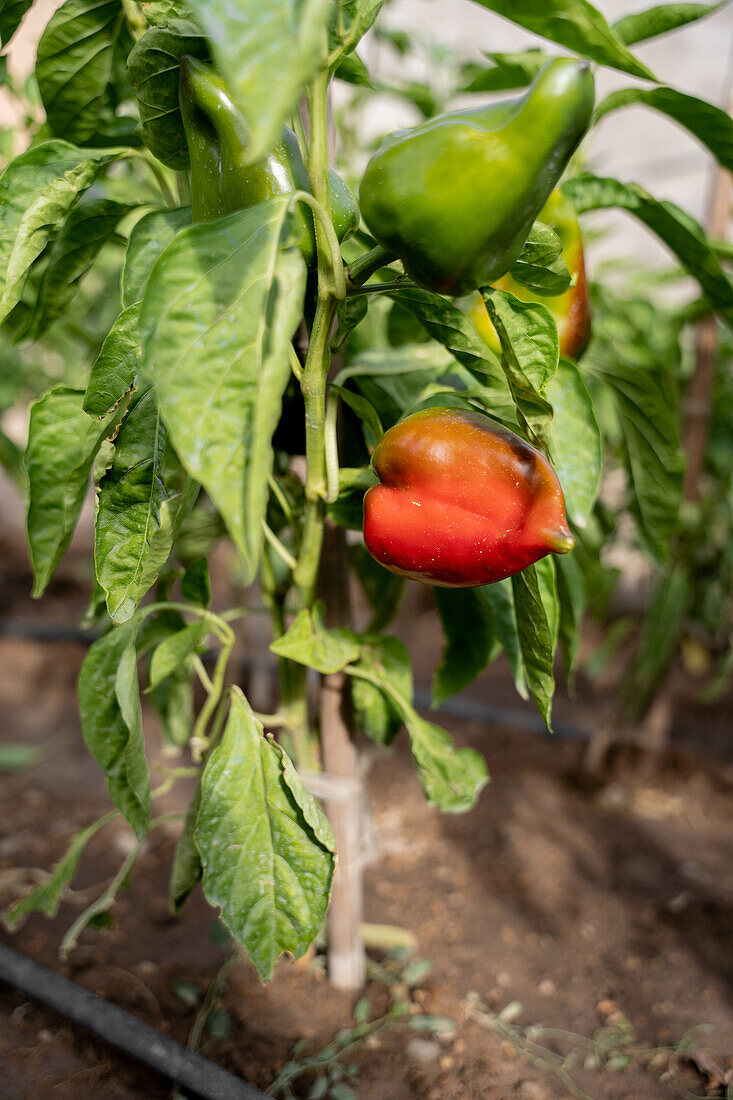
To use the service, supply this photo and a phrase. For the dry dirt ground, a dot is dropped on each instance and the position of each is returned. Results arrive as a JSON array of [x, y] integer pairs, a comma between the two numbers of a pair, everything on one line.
[[584, 903]]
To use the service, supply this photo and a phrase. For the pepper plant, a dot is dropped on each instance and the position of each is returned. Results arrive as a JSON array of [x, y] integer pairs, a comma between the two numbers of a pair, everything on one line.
[[260, 319]]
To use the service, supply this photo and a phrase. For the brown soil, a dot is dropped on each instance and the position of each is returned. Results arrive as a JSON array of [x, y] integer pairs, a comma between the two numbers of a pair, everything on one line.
[[579, 901]]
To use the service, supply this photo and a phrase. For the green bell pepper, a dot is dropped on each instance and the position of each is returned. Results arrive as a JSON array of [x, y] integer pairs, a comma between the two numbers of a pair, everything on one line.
[[455, 197], [221, 179]]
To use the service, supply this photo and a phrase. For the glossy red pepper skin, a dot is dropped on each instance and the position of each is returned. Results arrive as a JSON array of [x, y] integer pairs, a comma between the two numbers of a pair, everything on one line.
[[462, 501]]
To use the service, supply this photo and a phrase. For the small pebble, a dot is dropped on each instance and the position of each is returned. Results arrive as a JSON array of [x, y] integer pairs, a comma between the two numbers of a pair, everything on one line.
[[124, 842], [679, 902], [503, 979], [146, 969], [422, 1050], [546, 988], [533, 1090]]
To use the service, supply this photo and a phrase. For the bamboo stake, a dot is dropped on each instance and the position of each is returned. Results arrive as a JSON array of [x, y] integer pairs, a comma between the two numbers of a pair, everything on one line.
[[346, 959]]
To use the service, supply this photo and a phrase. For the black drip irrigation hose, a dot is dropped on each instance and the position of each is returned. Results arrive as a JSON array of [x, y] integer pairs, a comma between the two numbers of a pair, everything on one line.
[[476, 710], [198, 1075], [458, 706]]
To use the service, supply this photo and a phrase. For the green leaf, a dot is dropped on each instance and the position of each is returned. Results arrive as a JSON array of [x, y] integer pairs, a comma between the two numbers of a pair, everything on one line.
[[571, 594], [186, 869], [530, 354], [451, 778], [453, 329], [11, 14], [393, 379], [159, 13], [111, 720], [537, 633], [551, 280], [47, 897], [272, 878], [62, 445], [499, 597], [470, 641], [75, 65], [648, 415], [268, 53], [507, 71], [375, 711], [349, 315], [196, 586], [171, 653], [575, 441], [364, 410], [542, 245], [547, 583], [219, 1024], [149, 238], [11, 460], [348, 509], [681, 233], [137, 502], [540, 265], [708, 123], [87, 230], [382, 588], [219, 311], [575, 24], [174, 704], [643, 25], [37, 191], [339, 1090], [153, 68], [117, 365], [352, 70], [356, 17], [308, 642]]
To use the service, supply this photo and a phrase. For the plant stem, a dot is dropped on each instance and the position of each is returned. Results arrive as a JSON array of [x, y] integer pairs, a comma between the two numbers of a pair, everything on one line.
[[168, 196], [136, 23], [314, 396], [366, 265], [313, 386], [381, 288], [318, 167], [183, 183]]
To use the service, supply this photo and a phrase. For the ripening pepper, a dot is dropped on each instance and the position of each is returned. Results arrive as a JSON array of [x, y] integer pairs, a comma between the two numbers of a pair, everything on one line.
[[455, 197], [462, 501], [571, 310], [222, 181]]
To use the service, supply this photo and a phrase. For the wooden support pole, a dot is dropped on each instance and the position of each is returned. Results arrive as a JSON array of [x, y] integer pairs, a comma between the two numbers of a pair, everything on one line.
[[346, 960]]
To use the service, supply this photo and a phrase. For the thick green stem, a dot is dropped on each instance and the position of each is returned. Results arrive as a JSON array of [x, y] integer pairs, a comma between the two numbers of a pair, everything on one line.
[[316, 486], [363, 268], [313, 385], [318, 169], [136, 22]]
